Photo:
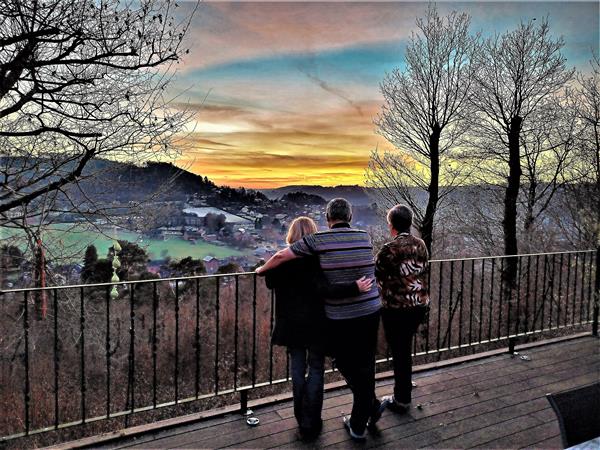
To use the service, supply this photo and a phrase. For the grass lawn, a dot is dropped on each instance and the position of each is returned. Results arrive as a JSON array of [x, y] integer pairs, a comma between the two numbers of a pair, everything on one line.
[[63, 239]]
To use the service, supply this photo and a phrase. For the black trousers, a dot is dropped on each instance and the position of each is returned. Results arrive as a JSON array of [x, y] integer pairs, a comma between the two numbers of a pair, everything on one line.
[[400, 325], [354, 343]]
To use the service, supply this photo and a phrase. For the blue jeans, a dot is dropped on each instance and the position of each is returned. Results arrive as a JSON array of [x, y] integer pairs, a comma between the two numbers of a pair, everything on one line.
[[308, 390]]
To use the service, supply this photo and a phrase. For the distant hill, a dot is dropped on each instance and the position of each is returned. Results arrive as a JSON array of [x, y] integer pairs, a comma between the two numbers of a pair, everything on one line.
[[357, 195], [302, 198], [167, 182], [124, 182]]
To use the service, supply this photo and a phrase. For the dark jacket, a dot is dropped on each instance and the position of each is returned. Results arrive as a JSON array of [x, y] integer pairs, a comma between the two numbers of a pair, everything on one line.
[[300, 287]]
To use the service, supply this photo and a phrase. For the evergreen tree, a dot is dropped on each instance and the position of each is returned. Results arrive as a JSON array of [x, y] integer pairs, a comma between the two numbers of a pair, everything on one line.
[[134, 260], [187, 267], [229, 268], [90, 260]]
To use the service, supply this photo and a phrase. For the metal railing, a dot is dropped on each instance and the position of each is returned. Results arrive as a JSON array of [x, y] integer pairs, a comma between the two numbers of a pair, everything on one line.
[[172, 341]]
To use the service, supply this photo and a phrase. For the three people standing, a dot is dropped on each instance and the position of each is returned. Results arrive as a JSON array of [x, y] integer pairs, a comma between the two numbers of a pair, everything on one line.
[[345, 257]]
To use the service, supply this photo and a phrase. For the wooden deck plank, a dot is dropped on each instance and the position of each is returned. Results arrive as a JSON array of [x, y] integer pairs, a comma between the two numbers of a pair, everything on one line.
[[526, 438], [431, 382], [327, 440], [549, 443], [447, 420], [292, 425], [462, 383], [497, 403], [501, 429]]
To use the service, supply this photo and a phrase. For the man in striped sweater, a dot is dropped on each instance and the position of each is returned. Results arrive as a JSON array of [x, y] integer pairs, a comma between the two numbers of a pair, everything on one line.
[[346, 254]]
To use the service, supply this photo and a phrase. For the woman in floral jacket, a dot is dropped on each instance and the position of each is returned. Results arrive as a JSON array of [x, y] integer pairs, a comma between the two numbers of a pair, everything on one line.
[[401, 268]]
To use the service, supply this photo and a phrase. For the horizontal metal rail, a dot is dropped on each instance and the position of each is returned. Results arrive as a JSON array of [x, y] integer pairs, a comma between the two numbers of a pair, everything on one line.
[[224, 275]]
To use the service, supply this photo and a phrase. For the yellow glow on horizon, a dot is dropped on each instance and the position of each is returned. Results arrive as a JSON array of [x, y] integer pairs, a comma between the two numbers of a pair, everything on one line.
[[235, 147]]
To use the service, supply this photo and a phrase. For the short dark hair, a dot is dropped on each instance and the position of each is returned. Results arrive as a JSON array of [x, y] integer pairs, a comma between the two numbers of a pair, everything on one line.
[[400, 217], [339, 209]]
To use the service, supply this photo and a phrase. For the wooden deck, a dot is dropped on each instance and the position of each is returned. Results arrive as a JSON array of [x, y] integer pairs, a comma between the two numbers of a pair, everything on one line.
[[497, 402]]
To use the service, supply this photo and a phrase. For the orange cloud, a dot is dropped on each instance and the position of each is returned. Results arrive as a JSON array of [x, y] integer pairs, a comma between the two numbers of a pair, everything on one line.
[[330, 147]]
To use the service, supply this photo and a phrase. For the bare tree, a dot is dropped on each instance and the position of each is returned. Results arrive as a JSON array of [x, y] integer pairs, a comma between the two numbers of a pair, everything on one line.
[[426, 116], [583, 176], [80, 81], [518, 71], [547, 143]]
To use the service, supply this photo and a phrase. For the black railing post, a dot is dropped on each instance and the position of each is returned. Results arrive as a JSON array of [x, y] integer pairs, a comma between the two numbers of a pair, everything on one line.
[[558, 303], [254, 331], [471, 302], [596, 295], [82, 354], [451, 307], [130, 398], [518, 307], [511, 345], [568, 283], [501, 296], [552, 278], [429, 310], [527, 294], [582, 291], [574, 289], [271, 324], [535, 293], [481, 288], [107, 349], [56, 359], [590, 295], [154, 341], [439, 321], [176, 374], [544, 291], [197, 340], [236, 332], [217, 329], [244, 411], [490, 318], [27, 390]]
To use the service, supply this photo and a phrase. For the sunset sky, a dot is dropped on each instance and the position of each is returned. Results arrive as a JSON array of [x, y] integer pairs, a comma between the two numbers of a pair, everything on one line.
[[286, 93]]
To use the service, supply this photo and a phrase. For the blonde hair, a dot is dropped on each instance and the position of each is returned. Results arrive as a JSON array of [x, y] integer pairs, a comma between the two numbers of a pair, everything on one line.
[[300, 227]]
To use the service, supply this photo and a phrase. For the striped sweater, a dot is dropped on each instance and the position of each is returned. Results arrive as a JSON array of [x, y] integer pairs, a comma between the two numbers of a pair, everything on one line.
[[345, 254]]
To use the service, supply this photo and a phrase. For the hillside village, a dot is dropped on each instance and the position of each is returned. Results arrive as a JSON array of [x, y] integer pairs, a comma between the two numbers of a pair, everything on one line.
[[162, 204], [260, 228]]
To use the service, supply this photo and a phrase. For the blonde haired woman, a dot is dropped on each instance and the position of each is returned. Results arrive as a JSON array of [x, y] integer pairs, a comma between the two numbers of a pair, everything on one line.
[[300, 286]]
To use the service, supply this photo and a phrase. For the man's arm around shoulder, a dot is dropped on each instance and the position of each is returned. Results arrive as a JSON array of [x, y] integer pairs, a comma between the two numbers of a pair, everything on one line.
[[277, 259]]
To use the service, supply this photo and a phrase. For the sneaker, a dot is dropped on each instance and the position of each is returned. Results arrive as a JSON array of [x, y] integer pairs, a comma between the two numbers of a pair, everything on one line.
[[377, 412], [393, 405], [353, 435]]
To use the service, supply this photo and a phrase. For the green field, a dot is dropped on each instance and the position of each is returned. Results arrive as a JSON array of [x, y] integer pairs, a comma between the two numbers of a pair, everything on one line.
[[62, 240]]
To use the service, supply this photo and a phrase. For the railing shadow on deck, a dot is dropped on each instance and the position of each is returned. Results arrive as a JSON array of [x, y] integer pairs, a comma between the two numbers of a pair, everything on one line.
[[173, 341]]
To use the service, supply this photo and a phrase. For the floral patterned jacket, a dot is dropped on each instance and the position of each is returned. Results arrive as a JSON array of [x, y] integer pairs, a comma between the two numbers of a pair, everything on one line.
[[401, 269]]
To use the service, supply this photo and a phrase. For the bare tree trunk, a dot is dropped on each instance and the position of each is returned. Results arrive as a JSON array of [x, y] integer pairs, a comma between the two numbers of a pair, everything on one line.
[[433, 188], [39, 279], [510, 202], [596, 312], [529, 219]]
